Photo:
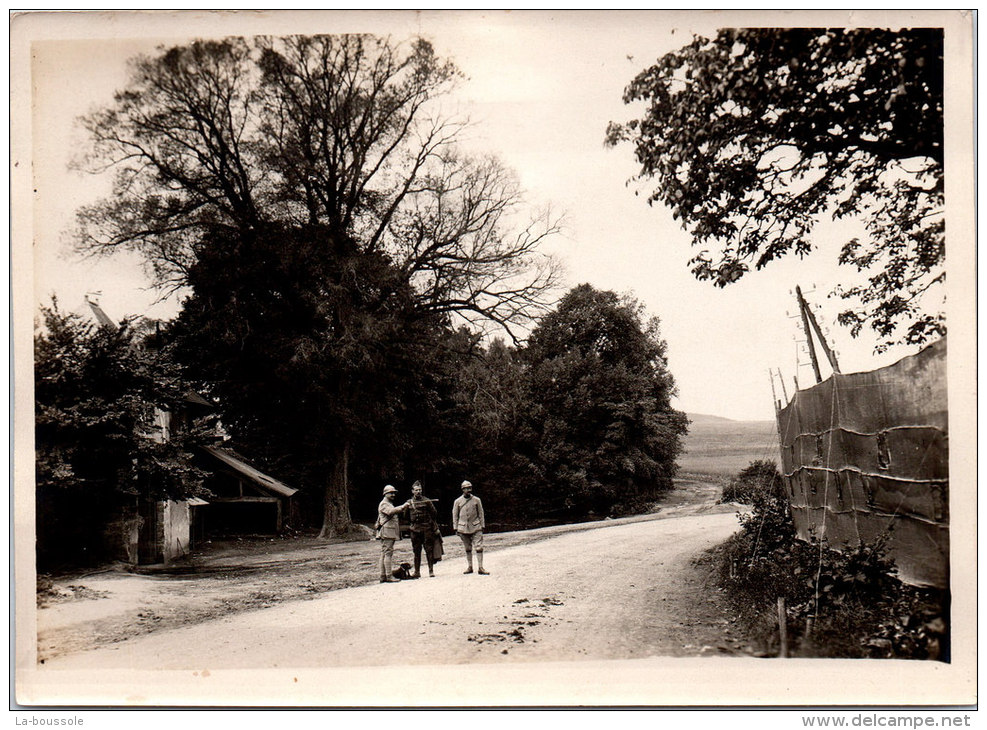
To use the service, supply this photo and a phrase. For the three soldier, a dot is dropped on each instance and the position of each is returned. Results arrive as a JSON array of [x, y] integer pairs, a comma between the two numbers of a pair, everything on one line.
[[468, 521]]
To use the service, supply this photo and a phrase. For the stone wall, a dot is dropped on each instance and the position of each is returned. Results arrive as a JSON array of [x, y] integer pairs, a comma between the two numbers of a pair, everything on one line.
[[175, 529]]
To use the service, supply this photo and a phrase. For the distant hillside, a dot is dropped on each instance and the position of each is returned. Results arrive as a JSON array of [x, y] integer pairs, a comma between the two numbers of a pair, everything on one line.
[[721, 446], [702, 418]]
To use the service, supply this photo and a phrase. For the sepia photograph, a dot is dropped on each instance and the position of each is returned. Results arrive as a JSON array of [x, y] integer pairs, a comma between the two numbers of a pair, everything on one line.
[[470, 359]]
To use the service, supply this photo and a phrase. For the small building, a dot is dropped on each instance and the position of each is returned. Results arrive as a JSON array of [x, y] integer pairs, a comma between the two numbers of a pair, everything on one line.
[[149, 531], [244, 499]]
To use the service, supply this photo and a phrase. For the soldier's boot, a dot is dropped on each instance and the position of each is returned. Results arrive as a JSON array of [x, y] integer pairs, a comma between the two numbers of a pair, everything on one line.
[[431, 565], [386, 576], [469, 561], [479, 563], [418, 566]]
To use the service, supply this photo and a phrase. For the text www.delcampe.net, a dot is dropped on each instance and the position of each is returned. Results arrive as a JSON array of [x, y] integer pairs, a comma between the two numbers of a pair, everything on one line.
[[888, 720]]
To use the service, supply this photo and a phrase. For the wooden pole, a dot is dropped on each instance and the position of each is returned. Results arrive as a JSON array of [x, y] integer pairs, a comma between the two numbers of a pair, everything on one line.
[[778, 407], [782, 627], [830, 355], [803, 307]]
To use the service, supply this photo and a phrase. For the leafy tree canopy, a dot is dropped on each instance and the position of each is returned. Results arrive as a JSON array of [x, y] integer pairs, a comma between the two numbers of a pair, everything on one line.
[[604, 432], [340, 132], [310, 193], [755, 135], [96, 394], [309, 353]]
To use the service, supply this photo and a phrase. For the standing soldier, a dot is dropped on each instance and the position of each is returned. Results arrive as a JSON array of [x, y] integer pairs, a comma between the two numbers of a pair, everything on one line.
[[390, 531], [468, 522], [424, 525]]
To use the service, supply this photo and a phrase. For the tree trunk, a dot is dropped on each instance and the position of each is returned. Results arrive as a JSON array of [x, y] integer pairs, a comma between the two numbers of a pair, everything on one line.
[[336, 516]]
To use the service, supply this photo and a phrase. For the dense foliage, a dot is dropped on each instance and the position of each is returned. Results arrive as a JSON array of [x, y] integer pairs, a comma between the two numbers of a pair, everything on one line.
[[604, 433], [754, 480], [847, 604], [575, 424], [304, 392], [97, 392], [324, 163], [487, 426], [756, 135]]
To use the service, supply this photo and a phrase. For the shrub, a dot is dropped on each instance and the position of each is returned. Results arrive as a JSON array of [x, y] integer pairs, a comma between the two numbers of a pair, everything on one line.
[[759, 477], [839, 603]]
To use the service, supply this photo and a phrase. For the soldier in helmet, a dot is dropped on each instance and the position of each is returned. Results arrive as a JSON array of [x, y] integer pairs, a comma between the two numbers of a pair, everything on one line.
[[390, 531], [424, 526], [468, 522]]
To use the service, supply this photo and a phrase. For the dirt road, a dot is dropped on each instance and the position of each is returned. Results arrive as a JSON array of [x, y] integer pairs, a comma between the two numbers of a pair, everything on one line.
[[616, 592]]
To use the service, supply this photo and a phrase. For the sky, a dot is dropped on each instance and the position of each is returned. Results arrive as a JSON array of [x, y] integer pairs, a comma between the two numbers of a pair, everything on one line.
[[540, 88]]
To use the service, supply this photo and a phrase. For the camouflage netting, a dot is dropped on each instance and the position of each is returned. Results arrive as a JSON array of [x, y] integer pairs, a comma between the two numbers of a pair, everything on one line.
[[867, 451]]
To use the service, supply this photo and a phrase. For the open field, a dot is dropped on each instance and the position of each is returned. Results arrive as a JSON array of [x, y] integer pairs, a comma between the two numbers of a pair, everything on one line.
[[722, 447]]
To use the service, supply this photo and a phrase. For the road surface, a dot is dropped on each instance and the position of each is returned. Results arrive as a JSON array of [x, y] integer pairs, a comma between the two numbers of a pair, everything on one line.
[[617, 592]]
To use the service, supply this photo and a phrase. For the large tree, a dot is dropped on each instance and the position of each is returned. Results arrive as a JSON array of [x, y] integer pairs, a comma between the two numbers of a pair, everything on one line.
[[757, 134], [334, 131], [332, 145], [301, 393], [604, 433]]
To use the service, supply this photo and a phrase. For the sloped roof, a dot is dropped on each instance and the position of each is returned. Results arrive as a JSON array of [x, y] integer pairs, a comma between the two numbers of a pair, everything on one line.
[[105, 321], [100, 315], [192, 397], [258, 477]]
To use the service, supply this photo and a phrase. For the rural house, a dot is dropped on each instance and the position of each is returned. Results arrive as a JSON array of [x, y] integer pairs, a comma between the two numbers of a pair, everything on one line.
[[243, 499]]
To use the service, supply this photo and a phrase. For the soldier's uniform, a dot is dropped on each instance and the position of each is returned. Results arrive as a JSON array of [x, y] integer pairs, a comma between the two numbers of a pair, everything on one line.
[[468, 521], [424, 525], [390, 532]]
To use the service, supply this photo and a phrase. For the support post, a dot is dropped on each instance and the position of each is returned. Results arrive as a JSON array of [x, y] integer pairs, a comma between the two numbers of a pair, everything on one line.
[[830, 355], [774, 395], [778, 406], [782, 627], [803, 308]]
